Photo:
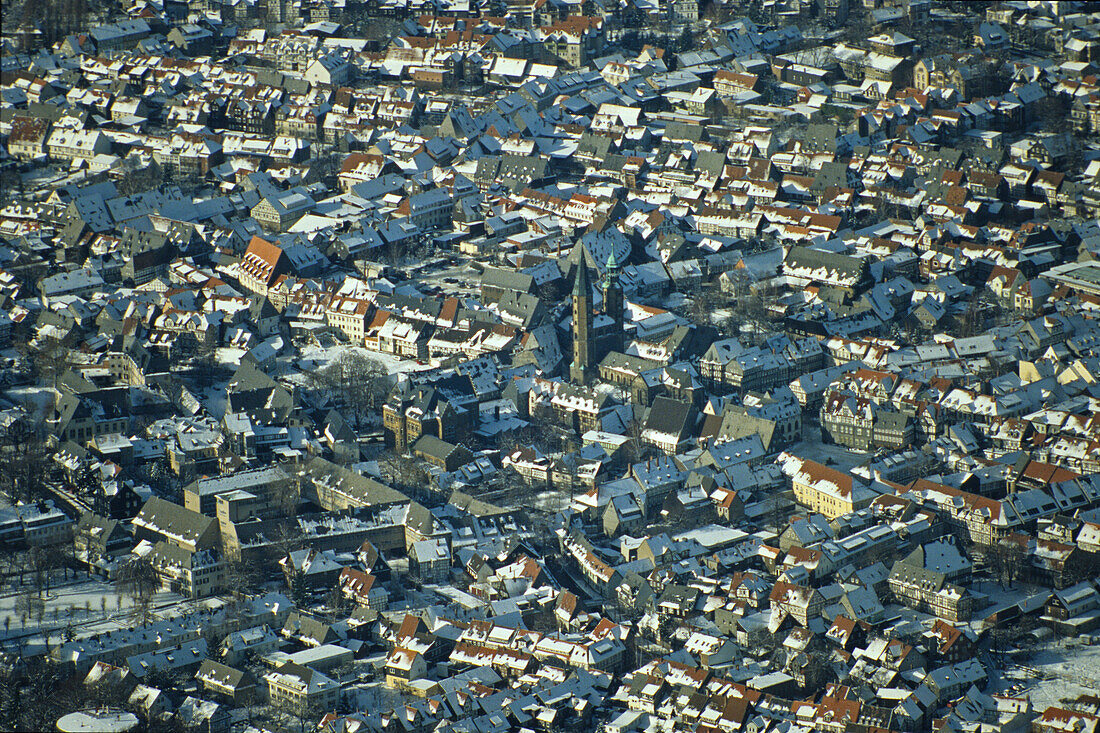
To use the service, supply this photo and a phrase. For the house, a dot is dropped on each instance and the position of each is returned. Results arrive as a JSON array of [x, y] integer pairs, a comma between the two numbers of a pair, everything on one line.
[[257, 641], [802, 603], [440, 453], [196, 715], [823, 489], [68, 144], [428, 210], [330, 69], [191, 573], [98, 542], [300, 690], [228, 683], [161, 520], [922, 580], [672, 425], [430, 560], [846, 273], [572, 40], [262, 264], [277, 211], [1073, 609], [309, 568], [411, 412], [27, 139], [404, 666], [192, 39], [363, 588], [623, 515], [1061, 720], [265, 483]]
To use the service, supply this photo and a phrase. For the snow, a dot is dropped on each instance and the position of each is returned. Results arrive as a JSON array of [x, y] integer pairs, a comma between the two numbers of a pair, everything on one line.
[[76, 603], [835, 456], [229, 357], [314, 358], [99, 722], [214, 399], [35, 399], [1057, 672]]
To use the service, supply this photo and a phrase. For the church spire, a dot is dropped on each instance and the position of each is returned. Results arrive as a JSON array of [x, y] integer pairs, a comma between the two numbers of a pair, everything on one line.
[[613, 303], [583, 332], [582, 285]]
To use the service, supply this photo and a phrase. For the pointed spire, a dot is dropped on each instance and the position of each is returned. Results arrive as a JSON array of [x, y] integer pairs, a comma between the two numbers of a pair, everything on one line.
[[581, 284]]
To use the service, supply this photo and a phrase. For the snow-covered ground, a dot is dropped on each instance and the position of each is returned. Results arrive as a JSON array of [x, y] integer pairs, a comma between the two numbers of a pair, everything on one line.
[[34, 398], [836, 456], [88, 605], [314, 358], [229, 357], [214, 399], [551, 501], [1067, 667]]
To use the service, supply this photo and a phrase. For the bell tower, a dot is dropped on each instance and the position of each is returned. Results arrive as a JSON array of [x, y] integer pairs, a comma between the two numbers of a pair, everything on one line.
[[582, 325], [613, 303]]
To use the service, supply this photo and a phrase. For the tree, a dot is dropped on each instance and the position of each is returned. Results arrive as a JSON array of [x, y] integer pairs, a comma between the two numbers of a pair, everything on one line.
[[406, 474], [635, 450], [761, 641], [360, 381], [296, 582], [50, 358], [42, 562], [703, 303], [1007, 560], [286, 495], [337, 602], [242, 577], [141, 179], [138, 579], [23, 461], [29, 605], [307, 713], [205, 364]]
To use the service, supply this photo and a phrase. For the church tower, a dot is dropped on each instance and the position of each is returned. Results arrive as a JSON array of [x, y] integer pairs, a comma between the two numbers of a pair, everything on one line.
[[582, 325], [613, 304]]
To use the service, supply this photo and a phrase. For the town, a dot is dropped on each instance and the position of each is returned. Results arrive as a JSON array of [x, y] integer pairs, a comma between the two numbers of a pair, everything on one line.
[[477, 366]]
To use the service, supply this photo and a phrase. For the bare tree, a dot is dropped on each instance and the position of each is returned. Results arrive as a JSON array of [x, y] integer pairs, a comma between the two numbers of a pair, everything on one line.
[[286, 495], [243, 577], [29, 604], [138, 579], [360, 381], [140, 179], [24, 461], [50, 358], [1007, 560], [703, 303], [43, 562], [406, 474]]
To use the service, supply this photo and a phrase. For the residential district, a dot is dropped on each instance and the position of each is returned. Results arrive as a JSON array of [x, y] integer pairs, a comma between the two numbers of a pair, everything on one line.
[[395, 366]]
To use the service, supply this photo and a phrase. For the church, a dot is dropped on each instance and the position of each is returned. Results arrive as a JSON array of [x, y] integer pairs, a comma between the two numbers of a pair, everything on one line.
[[595, 334]]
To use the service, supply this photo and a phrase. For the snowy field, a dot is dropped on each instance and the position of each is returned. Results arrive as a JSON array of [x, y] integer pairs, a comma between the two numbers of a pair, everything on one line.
[[311, 359], [36, 400], [836, 456], [316, 357], [1058, 672], [87, 606]]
